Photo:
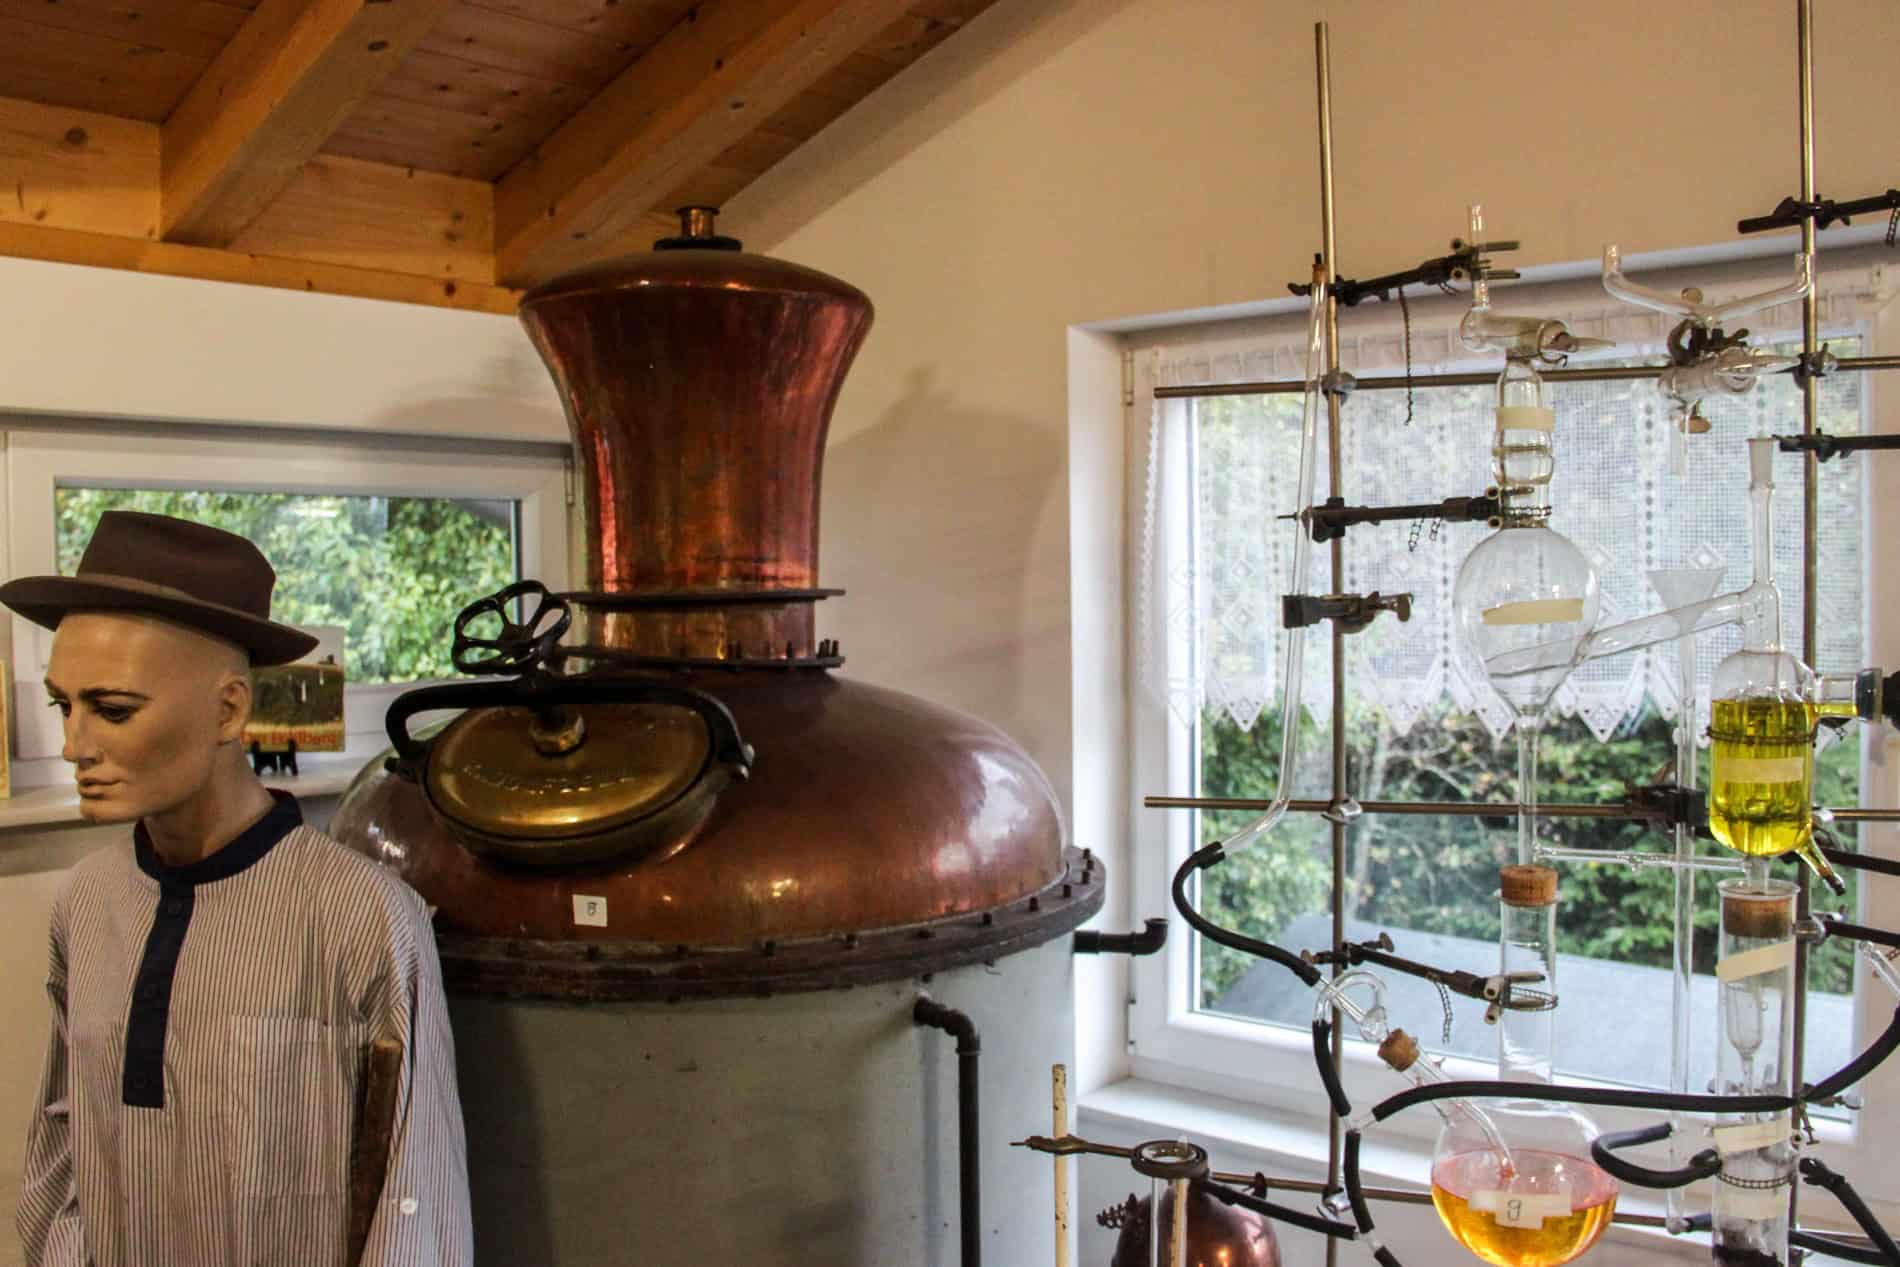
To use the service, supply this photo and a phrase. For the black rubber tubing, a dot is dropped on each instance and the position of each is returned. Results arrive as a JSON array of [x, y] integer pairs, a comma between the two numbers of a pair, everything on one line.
[[1328, 1074], [1860, 1066], [1835, 1249], [1207, 857], [1816, 1172], [1277, 1212], [1704, 1165], [1608, 1097], [1354, 1192]]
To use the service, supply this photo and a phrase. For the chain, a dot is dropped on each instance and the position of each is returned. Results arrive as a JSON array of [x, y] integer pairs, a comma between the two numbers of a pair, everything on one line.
[[1893, 228]]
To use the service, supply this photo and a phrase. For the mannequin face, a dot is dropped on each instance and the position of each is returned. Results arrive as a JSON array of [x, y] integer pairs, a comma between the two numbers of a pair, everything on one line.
[[148, 707]]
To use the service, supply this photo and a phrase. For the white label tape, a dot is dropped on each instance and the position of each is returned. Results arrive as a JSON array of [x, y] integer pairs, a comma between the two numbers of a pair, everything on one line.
[[1746, 1137], [590, 910], [1521, 1209], [1535, 611], [1755, 963], [1526, 418], [1761, 769], [1750, 1203]]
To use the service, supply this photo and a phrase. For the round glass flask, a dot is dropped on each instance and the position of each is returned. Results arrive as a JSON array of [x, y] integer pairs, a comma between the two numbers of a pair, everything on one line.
[[1513, 1183]]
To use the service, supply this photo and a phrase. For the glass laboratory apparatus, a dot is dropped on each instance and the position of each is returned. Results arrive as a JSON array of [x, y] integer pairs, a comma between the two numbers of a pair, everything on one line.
[[1754, 970], [1517, 1189], [1764, 707], [1525, 586]]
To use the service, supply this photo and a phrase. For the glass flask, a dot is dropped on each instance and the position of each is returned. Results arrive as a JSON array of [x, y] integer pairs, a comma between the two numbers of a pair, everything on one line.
[[1764, 707], [1516, 1188], [1524, 587], [1754, 970]]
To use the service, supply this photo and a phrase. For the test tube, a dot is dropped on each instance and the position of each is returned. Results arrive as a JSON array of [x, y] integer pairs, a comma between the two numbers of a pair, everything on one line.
[[1755, 972]]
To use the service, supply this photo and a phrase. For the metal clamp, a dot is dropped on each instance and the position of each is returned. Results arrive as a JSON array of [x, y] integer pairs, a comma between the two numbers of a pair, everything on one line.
[[1353, 611]]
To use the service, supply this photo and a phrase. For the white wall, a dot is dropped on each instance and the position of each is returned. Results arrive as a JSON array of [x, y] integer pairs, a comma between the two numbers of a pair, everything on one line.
[[1063, 162], [100, 342]]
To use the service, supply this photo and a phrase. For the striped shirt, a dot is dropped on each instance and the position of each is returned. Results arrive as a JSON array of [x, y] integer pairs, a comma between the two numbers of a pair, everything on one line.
[[201, 1081]]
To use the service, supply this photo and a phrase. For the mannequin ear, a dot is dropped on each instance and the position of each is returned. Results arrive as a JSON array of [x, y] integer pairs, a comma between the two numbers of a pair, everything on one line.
[[234, 707]]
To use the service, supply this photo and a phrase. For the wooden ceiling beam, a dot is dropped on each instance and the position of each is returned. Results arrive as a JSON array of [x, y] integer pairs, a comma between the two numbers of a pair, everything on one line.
[[285, 82], [708, 82]]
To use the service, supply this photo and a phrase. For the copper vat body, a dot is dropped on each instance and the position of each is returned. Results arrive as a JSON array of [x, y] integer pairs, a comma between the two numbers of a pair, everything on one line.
[[1218, 1235], [878, 835]]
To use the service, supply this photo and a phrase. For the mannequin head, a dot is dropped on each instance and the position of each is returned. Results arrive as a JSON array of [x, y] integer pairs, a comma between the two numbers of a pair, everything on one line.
[[153, 711]]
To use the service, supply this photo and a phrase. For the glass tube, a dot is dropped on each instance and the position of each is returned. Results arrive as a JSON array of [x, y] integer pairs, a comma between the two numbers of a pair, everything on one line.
[[1755, 972], [1527, 910]]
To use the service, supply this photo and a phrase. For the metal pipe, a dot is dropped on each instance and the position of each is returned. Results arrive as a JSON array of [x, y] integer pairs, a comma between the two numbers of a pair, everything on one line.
[[1329, 265], [1584, 374], [969, 1153], [1152, 937], [1473, 809]]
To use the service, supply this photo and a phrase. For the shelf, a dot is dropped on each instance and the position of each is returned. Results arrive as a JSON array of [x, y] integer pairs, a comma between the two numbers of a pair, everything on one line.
[[58, 804]]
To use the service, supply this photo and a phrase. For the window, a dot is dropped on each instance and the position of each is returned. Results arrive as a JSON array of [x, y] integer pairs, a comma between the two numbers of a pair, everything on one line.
[[1421, 727], [384, 537]]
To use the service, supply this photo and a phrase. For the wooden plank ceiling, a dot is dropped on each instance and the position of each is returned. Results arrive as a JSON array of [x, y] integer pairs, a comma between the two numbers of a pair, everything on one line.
[[442, 152]]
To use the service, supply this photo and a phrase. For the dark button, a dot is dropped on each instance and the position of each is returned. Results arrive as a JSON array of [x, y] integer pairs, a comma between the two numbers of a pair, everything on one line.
[[138, 1081], [149, 991], [173, 906]]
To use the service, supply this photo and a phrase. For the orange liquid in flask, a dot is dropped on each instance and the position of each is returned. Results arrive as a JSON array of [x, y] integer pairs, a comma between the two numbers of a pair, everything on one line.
[[1550, 1209]]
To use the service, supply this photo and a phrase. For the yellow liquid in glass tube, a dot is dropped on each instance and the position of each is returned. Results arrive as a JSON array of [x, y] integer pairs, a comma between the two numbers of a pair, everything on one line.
[[1552, 1208], [1761, 776]]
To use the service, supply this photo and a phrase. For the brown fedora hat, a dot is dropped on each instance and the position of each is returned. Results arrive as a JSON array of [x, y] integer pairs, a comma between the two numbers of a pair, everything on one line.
[[203, 577]]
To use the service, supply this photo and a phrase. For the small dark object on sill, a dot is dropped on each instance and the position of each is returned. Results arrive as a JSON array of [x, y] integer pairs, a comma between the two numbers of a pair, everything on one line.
[[284, 763]]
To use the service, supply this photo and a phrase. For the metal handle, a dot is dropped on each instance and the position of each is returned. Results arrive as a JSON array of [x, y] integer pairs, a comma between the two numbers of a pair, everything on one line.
[[518, 648], [542, 692]]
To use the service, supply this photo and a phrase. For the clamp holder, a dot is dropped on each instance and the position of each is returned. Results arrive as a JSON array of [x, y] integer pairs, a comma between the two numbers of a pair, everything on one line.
[[1353, 612]]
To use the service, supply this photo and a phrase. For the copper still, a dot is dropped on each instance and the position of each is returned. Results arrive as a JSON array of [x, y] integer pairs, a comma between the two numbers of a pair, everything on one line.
[[1218, 1235], [678, 798]]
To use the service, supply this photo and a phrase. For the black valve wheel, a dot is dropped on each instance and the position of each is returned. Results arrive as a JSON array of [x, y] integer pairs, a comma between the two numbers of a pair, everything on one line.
[[519, 647]]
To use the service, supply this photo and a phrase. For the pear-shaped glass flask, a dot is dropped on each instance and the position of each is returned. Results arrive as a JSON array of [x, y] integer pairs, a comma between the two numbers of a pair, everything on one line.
[[1515, 1186], [1764, 706], [1525, 586]]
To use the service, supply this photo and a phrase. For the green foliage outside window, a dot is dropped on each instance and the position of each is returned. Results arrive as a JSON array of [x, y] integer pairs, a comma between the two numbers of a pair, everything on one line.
[[393, 571]]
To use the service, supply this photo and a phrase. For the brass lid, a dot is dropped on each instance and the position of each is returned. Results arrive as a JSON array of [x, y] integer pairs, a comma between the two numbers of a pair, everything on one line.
[[1527, 885], [500, 772], [1400, 1050]]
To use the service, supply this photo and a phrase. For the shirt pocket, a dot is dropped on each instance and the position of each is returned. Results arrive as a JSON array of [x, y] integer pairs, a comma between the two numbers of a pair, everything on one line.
[[292, 1105]]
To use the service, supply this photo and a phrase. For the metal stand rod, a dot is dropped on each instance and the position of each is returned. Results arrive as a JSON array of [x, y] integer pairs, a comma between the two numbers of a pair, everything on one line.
[[1585, 374], [1329, 267], [1810, 529]]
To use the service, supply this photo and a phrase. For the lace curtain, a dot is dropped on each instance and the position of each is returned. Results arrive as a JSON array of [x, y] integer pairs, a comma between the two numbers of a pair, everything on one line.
[[1215, 561]]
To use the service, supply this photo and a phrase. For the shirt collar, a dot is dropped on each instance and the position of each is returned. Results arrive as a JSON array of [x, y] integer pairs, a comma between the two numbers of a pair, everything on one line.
[[282, 818]]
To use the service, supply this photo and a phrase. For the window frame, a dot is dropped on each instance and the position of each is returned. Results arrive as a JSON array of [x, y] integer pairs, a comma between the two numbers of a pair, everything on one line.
[[1171, 1043], [42, 453]]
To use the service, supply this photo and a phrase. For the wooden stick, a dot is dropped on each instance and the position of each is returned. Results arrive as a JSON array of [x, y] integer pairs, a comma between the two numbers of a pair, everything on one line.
[[375, 1132], [1061, 1076]]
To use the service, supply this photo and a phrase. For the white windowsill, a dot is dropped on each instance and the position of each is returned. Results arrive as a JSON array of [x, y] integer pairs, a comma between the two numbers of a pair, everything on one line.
[[57, 804], [1138, 1109]]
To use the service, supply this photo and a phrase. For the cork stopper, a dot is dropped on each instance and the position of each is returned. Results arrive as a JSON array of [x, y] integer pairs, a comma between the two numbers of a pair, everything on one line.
[[1754, 914], [1400, 1050], [1527, 885]]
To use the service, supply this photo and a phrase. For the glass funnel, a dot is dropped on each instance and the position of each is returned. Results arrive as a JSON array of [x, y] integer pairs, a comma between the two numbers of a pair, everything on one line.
[[1524, 586], [1764, 708], [1513, 1183]]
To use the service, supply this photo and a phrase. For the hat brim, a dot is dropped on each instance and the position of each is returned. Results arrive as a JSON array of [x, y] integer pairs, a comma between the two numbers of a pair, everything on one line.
[[45, 600]]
